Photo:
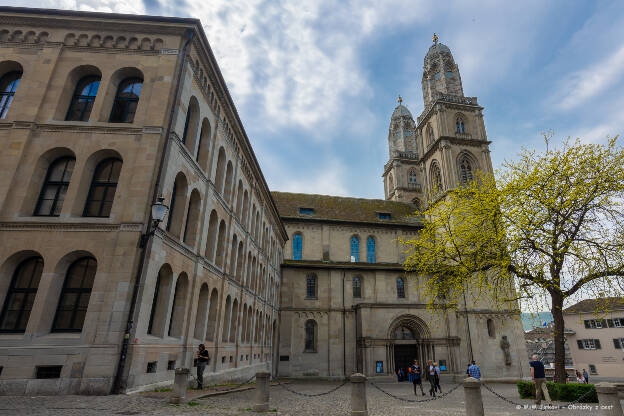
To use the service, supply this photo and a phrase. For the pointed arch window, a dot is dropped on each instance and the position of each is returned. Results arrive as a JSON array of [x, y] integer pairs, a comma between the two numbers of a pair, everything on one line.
[[355, 249], [429, 134], [83, 99], [400, 287], [72, 306], [370, 249], [55, 186], [459, 125], [297, 246], [357, 287], [311, 286], [412, 177], [310, 336], [465, 170], [21, 295], [126, 100], [8, 86], [103, 187], [436, 178]]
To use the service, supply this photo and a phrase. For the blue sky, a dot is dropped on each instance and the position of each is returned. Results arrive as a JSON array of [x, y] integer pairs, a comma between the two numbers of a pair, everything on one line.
[[315, 82]]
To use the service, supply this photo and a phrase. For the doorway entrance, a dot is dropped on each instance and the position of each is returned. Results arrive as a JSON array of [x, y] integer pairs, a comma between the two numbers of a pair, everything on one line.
[[404, 356]]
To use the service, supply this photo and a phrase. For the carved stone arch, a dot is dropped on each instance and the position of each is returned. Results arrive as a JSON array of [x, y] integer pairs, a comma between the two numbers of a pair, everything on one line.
[[120, 42], [30, 37], [70, 39], [435, 176], [17, 36], [146, 44], [83, 40], [108, 42], [133, 43], [4, 35], [158, 44], [96, 41], [412, 322], [467, 165]]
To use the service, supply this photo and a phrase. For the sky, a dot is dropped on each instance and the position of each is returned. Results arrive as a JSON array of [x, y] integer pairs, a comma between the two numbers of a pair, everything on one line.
[[315, 82]]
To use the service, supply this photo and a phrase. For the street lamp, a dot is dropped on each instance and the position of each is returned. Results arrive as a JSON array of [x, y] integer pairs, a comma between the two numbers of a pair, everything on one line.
[[159, 212]]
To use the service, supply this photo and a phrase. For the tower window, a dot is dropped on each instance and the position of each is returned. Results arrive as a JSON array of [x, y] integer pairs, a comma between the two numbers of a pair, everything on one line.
[[357, 287], [311, 286], [436, 178], [400, 286], [465, 170], [459, 125]]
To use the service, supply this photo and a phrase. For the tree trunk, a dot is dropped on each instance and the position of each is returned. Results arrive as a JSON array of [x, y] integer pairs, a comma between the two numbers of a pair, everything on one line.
[[559, 338]]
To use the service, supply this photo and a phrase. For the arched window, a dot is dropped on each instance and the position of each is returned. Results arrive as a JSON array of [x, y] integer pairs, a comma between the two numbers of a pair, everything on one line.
[[355, 249], [459, 125], [311, 286], [412, 178], [297, 246], [103, 187], [490, 328], [310, 336], [370, 249], [436, 178], [429, 134], [83, 99], [400, 287], [158, 312], [8, 86], [357, 287], [212, 315], [465, 170], [55, 186], [126, 100], [75, 295], [21, 295], [390, 183]]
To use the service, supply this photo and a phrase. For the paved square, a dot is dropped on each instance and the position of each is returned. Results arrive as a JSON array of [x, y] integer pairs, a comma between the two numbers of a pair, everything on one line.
[[284, 402]]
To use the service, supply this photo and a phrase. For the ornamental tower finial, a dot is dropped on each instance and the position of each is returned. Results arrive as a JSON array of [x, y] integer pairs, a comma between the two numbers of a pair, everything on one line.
[[400, 100], [435, 38]]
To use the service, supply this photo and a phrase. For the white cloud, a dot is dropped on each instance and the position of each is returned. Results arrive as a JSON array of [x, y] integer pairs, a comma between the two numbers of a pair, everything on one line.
[[327, 179], [584, 84]]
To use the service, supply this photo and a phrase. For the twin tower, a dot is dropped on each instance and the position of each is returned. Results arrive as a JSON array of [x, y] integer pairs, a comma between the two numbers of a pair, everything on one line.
[[446, 144]]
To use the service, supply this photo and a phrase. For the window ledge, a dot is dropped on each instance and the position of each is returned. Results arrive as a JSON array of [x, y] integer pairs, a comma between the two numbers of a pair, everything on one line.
[[310, 352], [308, 298]]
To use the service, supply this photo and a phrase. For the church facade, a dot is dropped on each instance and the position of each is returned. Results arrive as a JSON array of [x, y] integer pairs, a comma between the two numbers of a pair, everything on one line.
[[346, 304], [104, 116]]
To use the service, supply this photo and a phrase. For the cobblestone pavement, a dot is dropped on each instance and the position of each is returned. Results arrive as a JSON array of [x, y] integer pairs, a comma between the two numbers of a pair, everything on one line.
[[283, 402]]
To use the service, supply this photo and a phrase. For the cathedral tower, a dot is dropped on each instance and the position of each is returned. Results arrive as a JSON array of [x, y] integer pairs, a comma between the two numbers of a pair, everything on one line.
[[451, 133], [401, 172]]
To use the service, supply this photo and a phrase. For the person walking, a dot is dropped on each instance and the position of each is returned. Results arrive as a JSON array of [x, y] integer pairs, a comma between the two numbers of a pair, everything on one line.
[[585, 376], [416, 377], [431, 378], [539, 378], [203, 358], [437, 376], [579, 377], [410, 376], [474, 371]]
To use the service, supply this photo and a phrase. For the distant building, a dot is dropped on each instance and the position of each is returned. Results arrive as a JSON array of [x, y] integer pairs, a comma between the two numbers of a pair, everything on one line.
[[531, 320], [597, 341], [540, 341]]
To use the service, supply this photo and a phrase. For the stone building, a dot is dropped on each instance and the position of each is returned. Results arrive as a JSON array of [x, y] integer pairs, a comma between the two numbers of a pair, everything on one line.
[[540, 341], [100, 114], [597, 335], [346, 304]]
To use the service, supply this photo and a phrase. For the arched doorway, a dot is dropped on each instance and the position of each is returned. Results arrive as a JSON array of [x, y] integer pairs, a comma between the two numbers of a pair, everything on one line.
[[409, 340]]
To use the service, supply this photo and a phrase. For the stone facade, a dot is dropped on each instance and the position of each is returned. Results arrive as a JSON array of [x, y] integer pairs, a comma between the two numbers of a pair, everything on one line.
[[210, 273]]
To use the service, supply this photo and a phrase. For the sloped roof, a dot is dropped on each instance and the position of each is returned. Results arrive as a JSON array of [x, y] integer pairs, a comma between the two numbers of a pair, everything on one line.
[[344, 209], [592, 305]]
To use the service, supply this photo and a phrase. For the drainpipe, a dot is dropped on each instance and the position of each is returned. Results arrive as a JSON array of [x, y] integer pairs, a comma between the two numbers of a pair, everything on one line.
[[344, 331], [120, 382]]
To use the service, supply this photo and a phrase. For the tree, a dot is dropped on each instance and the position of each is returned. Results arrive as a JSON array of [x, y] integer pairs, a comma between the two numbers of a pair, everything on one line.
[[550, 227]]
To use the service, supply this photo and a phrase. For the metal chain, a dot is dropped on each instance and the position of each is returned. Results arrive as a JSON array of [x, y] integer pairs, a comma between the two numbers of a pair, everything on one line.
[[311, 394], [415, 400], [233, 387], [549, 408]]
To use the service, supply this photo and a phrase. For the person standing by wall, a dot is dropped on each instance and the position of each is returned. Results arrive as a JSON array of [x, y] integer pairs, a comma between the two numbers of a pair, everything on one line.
[[203, 358], [431, 378], [539, 378], [437, 376], [474, 371], [585, 376]]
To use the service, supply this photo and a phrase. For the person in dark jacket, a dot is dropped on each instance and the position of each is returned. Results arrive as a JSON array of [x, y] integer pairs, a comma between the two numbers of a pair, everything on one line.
[[431, 377], [417, 378], [203, 358]]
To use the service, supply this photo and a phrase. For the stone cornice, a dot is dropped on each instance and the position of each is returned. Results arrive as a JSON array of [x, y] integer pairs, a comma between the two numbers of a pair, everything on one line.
[[453, 140], [355, 223], [67, 226], [317, 264]]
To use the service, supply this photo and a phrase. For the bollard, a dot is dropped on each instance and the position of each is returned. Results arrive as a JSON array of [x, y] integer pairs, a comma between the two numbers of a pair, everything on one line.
[[359, 406], [474, 401], [179, 386], [262, 392], [608, 399]]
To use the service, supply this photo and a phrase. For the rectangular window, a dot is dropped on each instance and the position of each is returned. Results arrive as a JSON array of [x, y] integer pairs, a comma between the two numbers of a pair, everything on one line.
[[151, 366], [384, 215], [592, 369], [618, 322], [171, 365], [618, 343], [306, 211], [379, 367], [49, 371], [223, 360], [588, 344], [442, 364]]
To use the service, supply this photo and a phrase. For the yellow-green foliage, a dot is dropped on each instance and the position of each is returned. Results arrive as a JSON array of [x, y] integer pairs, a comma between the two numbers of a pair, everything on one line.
[[549, 228]]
